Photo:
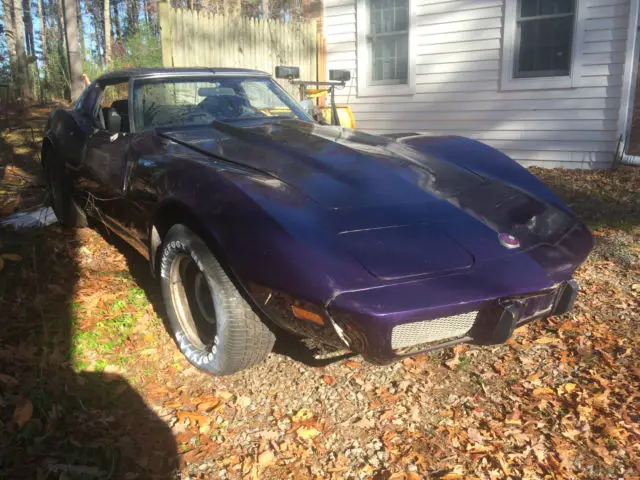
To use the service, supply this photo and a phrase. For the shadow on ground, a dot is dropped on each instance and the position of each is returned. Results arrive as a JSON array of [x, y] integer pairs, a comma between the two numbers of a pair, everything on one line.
[[21, 179], [602, 198], [56, 421]]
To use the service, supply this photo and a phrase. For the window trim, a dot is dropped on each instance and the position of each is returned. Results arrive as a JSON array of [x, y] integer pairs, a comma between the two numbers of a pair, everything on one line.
[[363, 47], [508, 80]]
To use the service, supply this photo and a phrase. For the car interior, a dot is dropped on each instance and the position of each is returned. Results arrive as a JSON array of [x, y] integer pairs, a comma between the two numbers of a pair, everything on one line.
[[113, 114], [116, 116]]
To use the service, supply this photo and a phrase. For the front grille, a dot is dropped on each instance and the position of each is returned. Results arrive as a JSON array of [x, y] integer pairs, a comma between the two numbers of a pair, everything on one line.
[[438, 329]]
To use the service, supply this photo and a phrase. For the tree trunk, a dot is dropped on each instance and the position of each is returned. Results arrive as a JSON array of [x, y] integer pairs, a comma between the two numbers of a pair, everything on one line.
[[116, 19], [265, 9], [61, 26], [22, 79], [43, 36], [45, 60], [28, 25], [73, 47], [80, 28], [10, 37], [132, 16], [107, 32]]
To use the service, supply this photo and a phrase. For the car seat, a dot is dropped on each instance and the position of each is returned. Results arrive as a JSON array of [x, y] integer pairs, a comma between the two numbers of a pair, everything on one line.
[[122, 109], [225, 106]]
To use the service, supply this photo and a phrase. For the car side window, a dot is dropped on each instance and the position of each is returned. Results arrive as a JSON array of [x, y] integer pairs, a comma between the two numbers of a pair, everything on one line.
[[90, 100], [112, 113]]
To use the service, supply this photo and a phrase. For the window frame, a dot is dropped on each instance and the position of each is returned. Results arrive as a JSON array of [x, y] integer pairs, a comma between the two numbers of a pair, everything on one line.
[[365, 86], [510, 45]]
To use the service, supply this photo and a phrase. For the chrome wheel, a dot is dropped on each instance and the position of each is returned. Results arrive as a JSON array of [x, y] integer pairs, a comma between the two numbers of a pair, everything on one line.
[[193, 301]]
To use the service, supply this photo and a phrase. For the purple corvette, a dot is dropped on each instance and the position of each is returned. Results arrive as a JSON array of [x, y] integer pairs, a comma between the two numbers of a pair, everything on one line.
[[252, 215]]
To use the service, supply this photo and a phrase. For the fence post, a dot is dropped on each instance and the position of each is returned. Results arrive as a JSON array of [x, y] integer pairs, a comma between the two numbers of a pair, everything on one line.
[[165, 33]]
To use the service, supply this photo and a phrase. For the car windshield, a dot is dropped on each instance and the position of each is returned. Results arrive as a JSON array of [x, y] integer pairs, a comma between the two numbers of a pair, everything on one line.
[[181, 101]]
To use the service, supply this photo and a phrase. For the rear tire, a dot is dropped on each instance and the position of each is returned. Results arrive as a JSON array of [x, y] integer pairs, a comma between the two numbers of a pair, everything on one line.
[[60, 186], [211, 322]]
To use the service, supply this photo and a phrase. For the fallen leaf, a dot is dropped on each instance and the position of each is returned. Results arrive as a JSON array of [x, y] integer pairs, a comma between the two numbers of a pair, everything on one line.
[[571, 434], [192, 417], [307, 433], [475, 436], [477, 448], [208, 405], [603, 453], [451, 476], [302, 415], [8, 379], [546, 340], [601, 401], [365, 423], [222, 394], [499, 368], [328, 379], [14, 257], [352, 364], [23, 412], [569, 387], [266, 458], [542, 391], [453, 362]]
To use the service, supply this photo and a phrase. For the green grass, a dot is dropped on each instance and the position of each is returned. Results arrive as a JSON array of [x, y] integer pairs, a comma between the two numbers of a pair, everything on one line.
[[137, 297], [464, 363], [111, 332]]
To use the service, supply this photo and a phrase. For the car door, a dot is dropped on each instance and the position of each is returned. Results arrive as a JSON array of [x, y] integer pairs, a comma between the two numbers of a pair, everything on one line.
[[101, 174]]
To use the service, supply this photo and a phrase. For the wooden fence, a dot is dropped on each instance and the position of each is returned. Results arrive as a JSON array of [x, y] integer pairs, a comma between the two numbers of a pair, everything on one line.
[[192, 38]]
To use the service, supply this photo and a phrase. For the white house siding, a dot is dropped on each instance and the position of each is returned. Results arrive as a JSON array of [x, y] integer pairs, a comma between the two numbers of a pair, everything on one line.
[[458, 91]]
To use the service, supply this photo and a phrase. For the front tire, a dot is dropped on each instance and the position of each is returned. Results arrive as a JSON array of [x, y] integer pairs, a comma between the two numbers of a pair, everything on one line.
[[64, 206], [211, 322]]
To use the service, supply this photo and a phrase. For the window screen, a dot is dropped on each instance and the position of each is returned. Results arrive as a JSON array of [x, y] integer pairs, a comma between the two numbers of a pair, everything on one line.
[[389, 41], [544, 38]]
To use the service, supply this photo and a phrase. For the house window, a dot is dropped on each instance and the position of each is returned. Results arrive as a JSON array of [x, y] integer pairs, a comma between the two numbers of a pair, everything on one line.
[[542, 44], [385, 50], [389, 41], [544, 38]]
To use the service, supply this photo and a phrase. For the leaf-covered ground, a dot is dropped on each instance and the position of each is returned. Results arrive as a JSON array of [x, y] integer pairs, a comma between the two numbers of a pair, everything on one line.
[[91, 386]]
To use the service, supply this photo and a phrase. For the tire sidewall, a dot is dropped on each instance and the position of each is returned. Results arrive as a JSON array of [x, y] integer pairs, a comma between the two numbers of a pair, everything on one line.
[[212, 359], [55, 180], [67, 211]]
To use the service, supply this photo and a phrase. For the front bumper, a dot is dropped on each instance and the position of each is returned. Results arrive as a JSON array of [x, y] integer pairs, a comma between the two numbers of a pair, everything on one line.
[[489, 323]]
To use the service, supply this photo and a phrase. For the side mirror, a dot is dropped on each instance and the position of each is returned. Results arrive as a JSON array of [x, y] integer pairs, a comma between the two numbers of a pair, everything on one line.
[[339, 75], [287, 72], [114, 121]]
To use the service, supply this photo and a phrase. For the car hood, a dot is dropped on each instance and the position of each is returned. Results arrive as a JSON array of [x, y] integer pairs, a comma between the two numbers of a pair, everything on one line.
[[336, 167], [401, 212]]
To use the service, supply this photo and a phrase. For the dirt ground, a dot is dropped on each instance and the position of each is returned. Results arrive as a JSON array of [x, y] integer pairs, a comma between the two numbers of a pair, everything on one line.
[[91, 385]]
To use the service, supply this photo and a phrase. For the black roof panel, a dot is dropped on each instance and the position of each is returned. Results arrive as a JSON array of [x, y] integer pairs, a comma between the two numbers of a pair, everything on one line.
[[124, 75]]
